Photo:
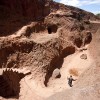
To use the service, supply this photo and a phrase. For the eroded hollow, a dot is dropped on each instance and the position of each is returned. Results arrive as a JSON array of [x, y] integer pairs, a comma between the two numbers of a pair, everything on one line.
[[9, 84], [78, 42], [52, 29], [57, 62], [67, 51], [88, 38]]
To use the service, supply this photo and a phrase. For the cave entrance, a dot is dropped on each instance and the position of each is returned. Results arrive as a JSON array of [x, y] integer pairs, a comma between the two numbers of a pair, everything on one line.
[[49, 30], [10, 84], [57, 62], [52, 29], [5, 89]]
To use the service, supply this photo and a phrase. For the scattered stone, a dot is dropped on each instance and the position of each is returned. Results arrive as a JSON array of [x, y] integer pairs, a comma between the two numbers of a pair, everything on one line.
[[83, 56], [56, 73]]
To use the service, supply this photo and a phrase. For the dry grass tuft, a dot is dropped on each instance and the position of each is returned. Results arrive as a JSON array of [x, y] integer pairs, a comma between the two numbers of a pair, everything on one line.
[[74, 72]]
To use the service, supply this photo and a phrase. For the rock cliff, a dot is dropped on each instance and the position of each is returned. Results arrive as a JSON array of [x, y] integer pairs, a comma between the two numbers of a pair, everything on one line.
[[39, 35]]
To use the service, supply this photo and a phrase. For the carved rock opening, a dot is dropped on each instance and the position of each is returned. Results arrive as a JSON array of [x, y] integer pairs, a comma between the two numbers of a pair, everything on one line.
[[9, 83], [52, 29]]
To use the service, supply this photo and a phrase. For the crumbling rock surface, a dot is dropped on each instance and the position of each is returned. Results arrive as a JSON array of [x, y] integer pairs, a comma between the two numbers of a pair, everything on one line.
[[40, 34], [17, 13], [24, 8]]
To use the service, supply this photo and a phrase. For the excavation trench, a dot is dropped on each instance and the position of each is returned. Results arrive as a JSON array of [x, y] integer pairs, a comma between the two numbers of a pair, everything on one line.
[[57, 62], [9, 84]]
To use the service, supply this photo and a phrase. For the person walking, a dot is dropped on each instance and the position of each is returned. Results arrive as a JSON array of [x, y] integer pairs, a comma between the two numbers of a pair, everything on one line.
[[70, 80]]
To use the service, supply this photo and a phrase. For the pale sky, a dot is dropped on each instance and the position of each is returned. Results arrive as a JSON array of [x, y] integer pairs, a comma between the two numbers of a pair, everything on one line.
[[88, 5]]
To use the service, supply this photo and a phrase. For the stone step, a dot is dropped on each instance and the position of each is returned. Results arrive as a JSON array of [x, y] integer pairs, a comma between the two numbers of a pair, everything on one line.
[[24, 70]]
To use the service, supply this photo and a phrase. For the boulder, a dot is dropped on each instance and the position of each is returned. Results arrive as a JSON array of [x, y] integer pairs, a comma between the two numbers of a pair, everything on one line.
[[83, 56], [56, 73]]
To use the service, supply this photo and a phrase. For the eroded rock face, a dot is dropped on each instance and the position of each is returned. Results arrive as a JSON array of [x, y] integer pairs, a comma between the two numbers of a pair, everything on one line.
[[17, 13], [33, 44], [24, 8], [43, 54]]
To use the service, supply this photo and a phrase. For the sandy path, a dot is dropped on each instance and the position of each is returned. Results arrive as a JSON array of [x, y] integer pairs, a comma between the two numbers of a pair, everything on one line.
[[91, 84], [57, 85], [71, 62]]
